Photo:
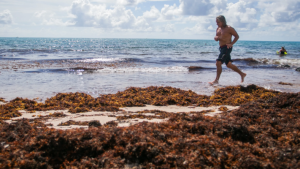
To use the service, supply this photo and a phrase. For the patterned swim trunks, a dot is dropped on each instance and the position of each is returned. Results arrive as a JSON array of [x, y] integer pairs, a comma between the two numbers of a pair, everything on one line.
[[224, 55]]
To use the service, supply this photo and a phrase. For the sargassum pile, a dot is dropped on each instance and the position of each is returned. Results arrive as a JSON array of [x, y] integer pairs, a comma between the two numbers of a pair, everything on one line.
[[262, 133]]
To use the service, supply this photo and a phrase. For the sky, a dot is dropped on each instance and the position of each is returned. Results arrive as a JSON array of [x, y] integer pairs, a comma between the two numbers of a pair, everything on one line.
[[263, 20]]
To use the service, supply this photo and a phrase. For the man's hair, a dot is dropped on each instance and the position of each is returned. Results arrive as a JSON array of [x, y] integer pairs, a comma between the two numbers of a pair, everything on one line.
[[222, 19]]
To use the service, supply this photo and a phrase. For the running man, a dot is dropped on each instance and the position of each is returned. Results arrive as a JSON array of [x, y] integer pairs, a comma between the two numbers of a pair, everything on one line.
[[224, 34]]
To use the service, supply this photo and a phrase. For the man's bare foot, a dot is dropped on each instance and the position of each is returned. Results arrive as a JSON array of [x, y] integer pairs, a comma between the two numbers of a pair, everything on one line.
[[214, 82], [243, 77]]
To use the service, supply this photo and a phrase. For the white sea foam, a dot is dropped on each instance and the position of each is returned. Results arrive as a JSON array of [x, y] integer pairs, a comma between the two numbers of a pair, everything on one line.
[[101, 60], [149, 69], [290, 62]]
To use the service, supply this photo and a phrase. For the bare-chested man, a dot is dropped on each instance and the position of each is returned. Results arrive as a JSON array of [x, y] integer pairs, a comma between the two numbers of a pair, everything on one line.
[[223, 35]]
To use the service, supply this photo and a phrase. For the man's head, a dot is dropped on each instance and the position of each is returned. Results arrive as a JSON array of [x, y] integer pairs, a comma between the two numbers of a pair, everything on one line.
[[221, 21]]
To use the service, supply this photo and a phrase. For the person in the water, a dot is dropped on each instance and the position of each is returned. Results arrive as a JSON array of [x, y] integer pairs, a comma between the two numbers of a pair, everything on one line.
[[282, 51], [224, 34]]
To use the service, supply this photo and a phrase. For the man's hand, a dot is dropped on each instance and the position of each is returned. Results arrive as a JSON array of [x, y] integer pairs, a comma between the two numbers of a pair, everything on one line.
[[229, 45], [216, 38]]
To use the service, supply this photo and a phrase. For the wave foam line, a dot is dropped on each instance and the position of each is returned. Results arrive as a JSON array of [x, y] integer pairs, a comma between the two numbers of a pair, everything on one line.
[[101, 60], [151, 69], [291, 62]]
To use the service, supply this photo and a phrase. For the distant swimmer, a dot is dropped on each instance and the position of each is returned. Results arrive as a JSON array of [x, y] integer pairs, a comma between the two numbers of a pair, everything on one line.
[[224, 34], [282, 51]]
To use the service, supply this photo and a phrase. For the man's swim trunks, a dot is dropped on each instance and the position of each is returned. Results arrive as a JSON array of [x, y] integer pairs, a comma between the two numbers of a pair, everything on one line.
[[224, 55]]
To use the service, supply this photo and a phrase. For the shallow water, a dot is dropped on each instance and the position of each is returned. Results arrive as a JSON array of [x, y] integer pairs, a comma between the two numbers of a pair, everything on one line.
[[42, 67]]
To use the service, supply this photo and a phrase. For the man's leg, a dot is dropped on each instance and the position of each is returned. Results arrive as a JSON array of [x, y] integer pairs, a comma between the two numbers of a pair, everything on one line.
[[219, 71], [236, 69]]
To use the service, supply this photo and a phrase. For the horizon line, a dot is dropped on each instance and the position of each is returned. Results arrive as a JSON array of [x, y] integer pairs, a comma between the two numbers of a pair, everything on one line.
[[153, 39]]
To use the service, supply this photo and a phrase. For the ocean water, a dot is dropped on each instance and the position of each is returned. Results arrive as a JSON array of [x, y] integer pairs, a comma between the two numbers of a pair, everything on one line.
[[42, 67]]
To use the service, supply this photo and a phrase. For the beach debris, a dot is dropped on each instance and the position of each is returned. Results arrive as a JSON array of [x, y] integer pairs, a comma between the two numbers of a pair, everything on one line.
[[285, 66], [223, 108], [94, 123], [154, 114], [56, 114], [2, 100], [251, 61], [72, 122], [195, 68], [284, 83], [263, 133], [111, 124]]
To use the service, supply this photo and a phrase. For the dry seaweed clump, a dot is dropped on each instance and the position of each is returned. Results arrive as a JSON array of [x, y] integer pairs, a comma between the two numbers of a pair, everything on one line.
[[2, 100], [262, 133], [238, 95], [76, 102], [72, 122], [223, 108], [161, 96], [146, 114], [57, 114]]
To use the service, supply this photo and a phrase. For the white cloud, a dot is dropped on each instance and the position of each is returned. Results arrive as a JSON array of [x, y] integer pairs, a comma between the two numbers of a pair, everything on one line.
[[124, 2], [211, 28], [129, 2], [167, 13], [152, 15], [39, 14], [6, 17], [57, 22], [176, 18], [197, 29], [50, 19], [219, 6], [170, 12], [167, 28], [279, 12], [196, 7], [242, 15], [89, 15]]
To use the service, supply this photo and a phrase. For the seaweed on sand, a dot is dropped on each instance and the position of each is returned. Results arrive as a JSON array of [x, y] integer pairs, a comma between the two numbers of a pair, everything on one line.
[[263, 133]]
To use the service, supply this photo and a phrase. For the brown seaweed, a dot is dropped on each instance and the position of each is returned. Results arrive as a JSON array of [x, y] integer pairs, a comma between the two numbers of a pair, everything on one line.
[[263, 133], [2, 100], [284, 83], [159, 96], [72, 122]]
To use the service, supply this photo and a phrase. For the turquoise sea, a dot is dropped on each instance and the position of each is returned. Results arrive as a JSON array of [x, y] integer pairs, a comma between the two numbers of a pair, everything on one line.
[[42, 67]]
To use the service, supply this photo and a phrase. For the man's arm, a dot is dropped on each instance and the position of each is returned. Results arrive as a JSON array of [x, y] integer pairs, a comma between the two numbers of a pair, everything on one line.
[[236, 37], [216, 37]]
